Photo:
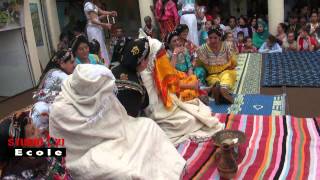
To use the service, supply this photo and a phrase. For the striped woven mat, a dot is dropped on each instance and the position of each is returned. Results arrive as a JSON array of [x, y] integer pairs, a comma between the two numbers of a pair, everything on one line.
[[276, 147], [248, 74]]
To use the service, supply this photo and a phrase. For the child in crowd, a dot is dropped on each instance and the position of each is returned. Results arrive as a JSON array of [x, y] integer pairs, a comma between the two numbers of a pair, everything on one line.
[[230, 42], [270, 46], [94, 47], [249, 48], [148, 28], [204, 32], [240, 43]]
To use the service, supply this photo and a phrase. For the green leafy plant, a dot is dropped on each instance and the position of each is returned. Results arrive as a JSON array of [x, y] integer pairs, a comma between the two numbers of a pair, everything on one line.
[[4, 17]]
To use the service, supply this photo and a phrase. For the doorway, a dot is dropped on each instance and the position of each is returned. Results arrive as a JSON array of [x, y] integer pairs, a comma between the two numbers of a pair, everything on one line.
[[40, 32]]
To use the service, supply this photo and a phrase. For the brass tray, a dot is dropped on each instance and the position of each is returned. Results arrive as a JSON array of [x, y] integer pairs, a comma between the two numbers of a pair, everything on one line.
[[230, 137]]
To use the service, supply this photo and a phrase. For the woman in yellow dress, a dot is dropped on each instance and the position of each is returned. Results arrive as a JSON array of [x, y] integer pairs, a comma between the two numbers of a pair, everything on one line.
[[218, 62]]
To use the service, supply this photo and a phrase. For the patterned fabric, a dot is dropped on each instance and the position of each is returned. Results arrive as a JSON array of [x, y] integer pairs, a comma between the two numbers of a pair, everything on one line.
[[276, 147], [248, 74], [170, 11], [52, 168], [50, 86], [191, 48], [166, 27], [183, 61], [208, 58], [46, 168], [217, 65], [299, 69], [167, 80], [252, 104], [48, 89]]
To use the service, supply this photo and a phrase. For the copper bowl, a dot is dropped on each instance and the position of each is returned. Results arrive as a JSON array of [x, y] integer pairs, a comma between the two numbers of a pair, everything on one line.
[[230, 137]]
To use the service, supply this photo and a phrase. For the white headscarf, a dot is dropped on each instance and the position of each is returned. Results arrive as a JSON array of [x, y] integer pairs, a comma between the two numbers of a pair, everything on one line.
[[89, 89]]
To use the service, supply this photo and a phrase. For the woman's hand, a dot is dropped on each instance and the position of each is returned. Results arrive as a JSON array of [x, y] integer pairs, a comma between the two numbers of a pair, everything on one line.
[[113, 13], [178, 50]]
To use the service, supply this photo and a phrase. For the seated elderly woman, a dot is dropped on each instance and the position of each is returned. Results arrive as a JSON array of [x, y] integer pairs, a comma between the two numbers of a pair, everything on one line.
[[57, 70], [19, 125], [101, 140], [179, 119]]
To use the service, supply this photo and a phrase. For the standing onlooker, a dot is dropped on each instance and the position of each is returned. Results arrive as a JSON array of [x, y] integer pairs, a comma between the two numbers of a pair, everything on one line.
[[293, 26], [204, 32], [302, 21], [314, 24], [117, 44], [189, 18], [95, 26], [201, 18], [243, 26], [305, 11], [270, 46], [148, 28], [167, 15], [290, 44], [248, 47], [232, 26], [217, 23], [305, 41], [261, 35], [253, 24], [281, 33]]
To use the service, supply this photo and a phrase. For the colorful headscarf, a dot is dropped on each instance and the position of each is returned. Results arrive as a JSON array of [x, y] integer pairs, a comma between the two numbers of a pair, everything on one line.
[[260, 37]]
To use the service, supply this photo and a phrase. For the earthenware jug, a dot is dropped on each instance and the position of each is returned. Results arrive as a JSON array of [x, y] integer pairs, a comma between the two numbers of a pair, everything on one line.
[[227, 165]]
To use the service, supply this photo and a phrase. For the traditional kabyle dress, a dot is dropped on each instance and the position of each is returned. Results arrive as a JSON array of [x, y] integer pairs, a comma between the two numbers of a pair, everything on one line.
[[131, 92], [217, 66], [179, 119], [48, 89]]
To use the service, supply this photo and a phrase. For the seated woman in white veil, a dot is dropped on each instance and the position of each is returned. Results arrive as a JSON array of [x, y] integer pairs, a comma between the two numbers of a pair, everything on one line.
[[101, 140], [179, 119]]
